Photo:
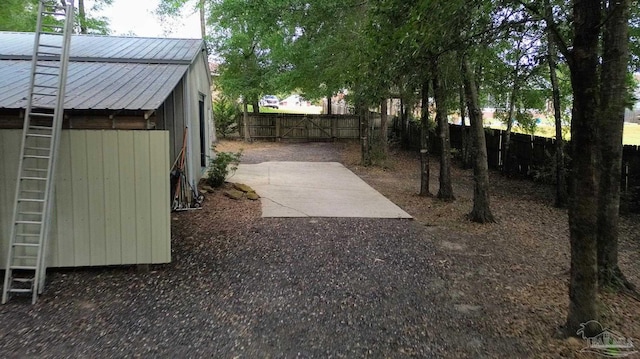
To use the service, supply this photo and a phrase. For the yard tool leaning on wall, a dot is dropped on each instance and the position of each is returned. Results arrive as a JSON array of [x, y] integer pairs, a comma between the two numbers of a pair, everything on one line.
[[183, 193]]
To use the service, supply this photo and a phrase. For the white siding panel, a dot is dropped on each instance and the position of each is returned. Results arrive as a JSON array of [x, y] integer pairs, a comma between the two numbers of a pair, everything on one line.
[[111, 202], [9, 142], [127, 196], [159, 210], [80, 203], [62, 251], [142, 196], [96, 197]]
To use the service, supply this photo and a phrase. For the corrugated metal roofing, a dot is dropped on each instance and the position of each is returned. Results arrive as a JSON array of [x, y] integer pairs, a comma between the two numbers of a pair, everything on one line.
[[19, 46], [115, 73], [96, 85]]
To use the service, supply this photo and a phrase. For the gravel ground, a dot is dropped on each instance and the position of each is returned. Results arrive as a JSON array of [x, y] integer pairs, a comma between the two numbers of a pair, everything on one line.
[[241, 286]]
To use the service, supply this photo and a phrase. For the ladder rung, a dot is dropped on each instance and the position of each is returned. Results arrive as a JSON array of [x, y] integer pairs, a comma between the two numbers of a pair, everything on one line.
[[35, 170], [51, 46], [29, 222], [33, 200], [20, 290], [25, 257], [37, 135], [31, 191], [47, 74], [24, 268], [27, 235], [55, 13], [31, 213], [23, 280], [33, 178], [38, 157], [26, 245], [47, 53], [46, 86], [48, 66], [40, 128], [37, 148], [42, 114]]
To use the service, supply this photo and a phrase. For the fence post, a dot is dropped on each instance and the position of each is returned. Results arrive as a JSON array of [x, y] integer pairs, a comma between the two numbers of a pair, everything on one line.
[[500, 159], [626, 177], [334, 127], [277, 128]]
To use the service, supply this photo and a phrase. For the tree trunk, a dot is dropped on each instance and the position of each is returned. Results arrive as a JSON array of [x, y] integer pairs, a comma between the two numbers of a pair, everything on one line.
[[424, 140], [512, 105], [561, 176], [384, 128], [403, 124], [365, 133], [481, 212], [583, 189], [510, 114], [82, 17], [613, 93], [256, 106], [329, 105], [245, 120], [463, 131], [445, 192], [203, 21]]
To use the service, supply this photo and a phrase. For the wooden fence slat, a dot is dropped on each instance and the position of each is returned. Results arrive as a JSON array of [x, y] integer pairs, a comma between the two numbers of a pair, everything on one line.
[[303, 127]]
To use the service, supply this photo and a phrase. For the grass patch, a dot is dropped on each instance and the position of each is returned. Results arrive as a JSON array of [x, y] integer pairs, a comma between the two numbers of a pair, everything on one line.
[[630, 136]]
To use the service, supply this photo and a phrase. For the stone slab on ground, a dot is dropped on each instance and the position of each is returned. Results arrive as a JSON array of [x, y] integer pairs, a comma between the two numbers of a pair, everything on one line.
[[314, 189]]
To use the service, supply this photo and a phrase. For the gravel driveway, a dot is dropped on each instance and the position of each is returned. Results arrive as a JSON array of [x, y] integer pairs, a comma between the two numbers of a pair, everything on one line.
[[241, 286]]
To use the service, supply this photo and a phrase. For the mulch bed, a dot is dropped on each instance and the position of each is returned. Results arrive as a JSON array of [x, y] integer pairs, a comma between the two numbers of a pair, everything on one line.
[[244, 286]]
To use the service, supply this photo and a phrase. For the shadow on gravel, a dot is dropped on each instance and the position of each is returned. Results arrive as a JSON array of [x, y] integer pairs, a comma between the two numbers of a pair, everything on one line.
[[282, 288]]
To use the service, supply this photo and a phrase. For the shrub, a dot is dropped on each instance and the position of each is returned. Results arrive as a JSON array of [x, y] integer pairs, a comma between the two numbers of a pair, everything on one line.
[[225, 115], [221, 165]]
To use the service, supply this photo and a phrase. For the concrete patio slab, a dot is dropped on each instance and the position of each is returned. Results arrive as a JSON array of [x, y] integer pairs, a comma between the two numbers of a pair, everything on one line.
[[314, 189]]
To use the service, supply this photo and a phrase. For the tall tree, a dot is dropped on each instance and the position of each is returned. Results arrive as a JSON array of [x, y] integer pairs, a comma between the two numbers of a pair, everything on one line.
[[203, 18], [464, 130], [86, 23], [613, 100], [445, 191], [424, 140], [597, 81], [561, 181], [481, 211], [82, 16], [384, 127], [583, 189]]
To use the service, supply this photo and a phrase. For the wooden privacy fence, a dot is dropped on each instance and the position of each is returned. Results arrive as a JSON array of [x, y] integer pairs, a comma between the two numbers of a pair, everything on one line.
[[529, 156], [299, 127]]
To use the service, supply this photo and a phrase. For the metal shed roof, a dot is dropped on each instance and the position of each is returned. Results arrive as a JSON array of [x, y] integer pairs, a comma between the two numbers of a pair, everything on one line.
[[96, 85], [19, 46], [105, 73]]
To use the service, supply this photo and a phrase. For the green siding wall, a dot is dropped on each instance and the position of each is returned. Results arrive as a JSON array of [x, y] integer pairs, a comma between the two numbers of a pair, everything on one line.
[[111, 202]]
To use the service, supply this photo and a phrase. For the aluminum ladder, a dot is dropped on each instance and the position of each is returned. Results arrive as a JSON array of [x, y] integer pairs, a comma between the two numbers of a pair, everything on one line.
[[26, 259]]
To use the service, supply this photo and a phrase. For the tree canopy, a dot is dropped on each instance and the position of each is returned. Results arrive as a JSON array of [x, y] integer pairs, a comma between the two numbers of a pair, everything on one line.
[[511, 54], [21, 15]]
